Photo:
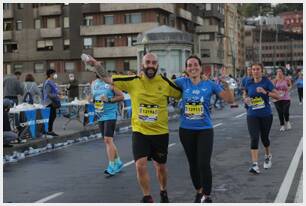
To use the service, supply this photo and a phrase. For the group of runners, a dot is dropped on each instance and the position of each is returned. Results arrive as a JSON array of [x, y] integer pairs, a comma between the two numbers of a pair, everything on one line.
[[149, 94]]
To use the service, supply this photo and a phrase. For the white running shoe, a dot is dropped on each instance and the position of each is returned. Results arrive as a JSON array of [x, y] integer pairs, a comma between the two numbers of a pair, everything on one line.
[[288, 126], [254, 169], [282, 128], [268, 161]]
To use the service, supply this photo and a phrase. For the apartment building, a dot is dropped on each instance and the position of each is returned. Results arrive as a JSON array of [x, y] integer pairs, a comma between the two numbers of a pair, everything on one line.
[[42, 36]]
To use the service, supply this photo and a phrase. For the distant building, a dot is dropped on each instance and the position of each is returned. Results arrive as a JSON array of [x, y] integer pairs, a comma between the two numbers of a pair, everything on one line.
[[293, 21]]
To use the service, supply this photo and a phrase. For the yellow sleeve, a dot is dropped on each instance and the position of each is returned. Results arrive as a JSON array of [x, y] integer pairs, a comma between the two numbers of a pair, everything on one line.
[[173, 90], [124, 82]]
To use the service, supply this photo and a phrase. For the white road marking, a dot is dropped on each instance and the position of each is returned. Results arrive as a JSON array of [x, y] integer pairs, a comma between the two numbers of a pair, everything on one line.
[[240, 115], [286, 184], [49, 197], [217, 125]]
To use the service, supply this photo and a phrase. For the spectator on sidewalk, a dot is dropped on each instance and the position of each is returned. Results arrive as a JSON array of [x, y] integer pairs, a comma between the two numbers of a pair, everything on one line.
[[299, 85], [12, 87], [8, 134], [31, 90], [73, 88]]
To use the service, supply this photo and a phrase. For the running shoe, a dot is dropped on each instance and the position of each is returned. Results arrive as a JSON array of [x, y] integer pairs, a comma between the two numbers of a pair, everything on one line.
[[206, 199], [288, 125], [282, 128], [254, 169], [118, 166], [110, 170], [198, 198], [268, 161], [147, 199], [164, 197]]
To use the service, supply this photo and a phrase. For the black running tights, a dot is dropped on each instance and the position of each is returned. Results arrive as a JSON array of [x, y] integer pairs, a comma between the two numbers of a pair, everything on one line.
[[198, 146]]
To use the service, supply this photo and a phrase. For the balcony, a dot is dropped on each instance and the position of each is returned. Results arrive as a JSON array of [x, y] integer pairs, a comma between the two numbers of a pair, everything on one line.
[[106, 52], [200, 21], [50, 10], [207, 28], [8, 13], [116, 29], [122, 7], [185, 14], [50, 32], [7, 35]]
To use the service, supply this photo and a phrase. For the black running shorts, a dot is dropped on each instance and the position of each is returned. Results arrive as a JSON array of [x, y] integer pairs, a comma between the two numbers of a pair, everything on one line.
[[107, 128], [151, 146]]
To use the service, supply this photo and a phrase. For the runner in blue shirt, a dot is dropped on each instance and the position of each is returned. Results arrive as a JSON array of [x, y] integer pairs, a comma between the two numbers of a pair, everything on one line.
[[105, 98], [299, 85], [196, 129], [259, 114]]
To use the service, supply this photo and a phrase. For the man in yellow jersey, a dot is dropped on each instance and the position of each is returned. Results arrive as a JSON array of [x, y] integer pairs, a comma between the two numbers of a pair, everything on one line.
[[149, 94]]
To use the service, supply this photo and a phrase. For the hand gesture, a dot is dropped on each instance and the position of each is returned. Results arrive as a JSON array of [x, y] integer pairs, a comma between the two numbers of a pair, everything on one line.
[[261, 90]]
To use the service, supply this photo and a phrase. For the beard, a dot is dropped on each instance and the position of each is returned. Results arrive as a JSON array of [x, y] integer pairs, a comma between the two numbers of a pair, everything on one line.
[[150, 72]]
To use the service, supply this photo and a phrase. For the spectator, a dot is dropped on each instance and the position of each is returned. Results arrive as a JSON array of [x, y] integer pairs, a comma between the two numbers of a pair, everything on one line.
[[51, 98], [299, 85], [12, 87], [8, 134], [30, 88], [73, 87]]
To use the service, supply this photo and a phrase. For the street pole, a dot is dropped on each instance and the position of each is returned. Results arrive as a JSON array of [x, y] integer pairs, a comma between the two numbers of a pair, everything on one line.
[[260, 34]]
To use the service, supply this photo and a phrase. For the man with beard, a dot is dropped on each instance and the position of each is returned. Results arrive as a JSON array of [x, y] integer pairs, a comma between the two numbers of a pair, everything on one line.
[[149, 95]]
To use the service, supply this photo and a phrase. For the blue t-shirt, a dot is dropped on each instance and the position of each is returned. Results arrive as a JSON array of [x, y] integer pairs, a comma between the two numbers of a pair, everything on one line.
[[260, 106], [195, 103], [244, 81], [299, 83], [104, 110]]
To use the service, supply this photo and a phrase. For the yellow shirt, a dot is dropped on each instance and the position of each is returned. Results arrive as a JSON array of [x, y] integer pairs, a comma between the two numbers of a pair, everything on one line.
[[149, 98]]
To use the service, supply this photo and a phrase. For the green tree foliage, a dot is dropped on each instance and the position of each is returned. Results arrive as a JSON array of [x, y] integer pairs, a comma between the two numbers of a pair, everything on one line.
[[287, 7]]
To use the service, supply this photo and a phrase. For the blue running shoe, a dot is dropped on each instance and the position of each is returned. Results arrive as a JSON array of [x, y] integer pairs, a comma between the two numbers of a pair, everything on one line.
[[110, 170], [118, 166]]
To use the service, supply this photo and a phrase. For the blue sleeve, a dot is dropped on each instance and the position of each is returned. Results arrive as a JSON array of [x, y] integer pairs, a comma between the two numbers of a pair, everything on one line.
[[270, 85], [180, 82], [216, 88]]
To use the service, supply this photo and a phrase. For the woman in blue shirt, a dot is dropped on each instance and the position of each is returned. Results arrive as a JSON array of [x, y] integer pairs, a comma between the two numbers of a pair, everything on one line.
[[196, 129], [299, 85], [258, 89], [106, 98]]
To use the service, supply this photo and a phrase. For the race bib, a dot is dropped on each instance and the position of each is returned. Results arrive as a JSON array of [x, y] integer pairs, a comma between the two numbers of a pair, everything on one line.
[[257, 103], [194, 111], [99, 105], [148, 113]]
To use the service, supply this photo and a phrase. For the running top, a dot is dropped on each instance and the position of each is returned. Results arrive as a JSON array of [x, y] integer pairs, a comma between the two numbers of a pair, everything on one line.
[[299, 83], [104, 110], [282, 87], [149, 101], [195, 103], [259, 106], [244, 81]]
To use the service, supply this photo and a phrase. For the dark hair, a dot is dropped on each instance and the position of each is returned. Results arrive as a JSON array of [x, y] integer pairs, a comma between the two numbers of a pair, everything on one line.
[[258, 64], [17, 73], [279, 68], [49, 72], [193, 57], [29, 78]]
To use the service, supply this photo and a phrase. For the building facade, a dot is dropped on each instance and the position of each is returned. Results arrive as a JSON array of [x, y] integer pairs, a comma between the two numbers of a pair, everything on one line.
[[42, 36], [293, 21]]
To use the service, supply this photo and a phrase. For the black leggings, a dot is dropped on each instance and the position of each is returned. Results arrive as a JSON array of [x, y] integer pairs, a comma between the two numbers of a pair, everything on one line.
[[300, 93], [198, 146], [282, 107], [51, 118], [259, 126]]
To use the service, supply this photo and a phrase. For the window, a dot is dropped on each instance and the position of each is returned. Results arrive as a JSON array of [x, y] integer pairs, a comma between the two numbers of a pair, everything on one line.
[[110, 42], [7, 26], [9, 47], [20, 6], [18, 25], [205, 37], [44, 45], [6, 6], [126, 65], [110, 65], [69, 66], [37, 24], [134, 18], [88, 20], [108, 19], [205, 53], [39, 68], [66, 22], [208, 7], [35, 5], [132, 40], [18, 67], [66, 44], [87, 43], [51, 23]]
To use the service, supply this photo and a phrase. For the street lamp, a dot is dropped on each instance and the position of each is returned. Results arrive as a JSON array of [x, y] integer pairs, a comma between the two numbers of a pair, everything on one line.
[[219, 35]]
